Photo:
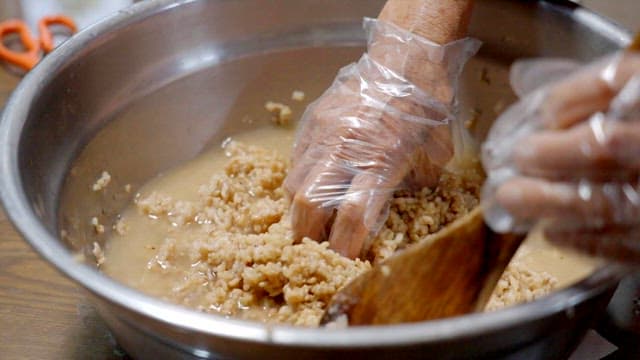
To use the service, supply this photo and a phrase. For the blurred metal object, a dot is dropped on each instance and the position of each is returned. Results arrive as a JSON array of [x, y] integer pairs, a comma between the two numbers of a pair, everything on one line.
[[154, 84], [622, 323]]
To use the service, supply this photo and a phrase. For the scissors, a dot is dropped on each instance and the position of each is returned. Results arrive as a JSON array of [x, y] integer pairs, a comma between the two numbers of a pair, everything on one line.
[[34, 48]]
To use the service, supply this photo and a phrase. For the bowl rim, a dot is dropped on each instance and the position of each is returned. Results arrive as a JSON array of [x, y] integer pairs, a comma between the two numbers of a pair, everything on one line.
[[25, 220]]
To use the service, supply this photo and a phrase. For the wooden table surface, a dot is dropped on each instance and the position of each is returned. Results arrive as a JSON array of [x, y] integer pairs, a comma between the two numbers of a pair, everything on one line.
[[43, 315]]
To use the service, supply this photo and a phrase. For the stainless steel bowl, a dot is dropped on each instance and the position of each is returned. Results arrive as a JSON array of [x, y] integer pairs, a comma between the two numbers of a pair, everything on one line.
[[155, 84]]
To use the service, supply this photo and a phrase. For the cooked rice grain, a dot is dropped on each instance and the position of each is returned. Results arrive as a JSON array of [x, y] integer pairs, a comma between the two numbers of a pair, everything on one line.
[[243, 259]]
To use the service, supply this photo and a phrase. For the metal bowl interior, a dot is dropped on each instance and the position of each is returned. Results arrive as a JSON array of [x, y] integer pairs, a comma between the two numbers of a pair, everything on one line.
[[155, 84]]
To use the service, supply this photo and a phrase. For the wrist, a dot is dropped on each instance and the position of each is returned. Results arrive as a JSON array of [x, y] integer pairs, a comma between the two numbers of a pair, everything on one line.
[[431, 67], [417, 57]]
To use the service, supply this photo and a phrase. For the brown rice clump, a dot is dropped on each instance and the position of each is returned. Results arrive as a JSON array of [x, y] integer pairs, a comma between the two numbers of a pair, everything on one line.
[[240, 250], [519, 284]]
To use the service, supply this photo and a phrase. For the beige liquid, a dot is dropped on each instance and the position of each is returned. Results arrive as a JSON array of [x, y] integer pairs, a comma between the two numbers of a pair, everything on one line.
[[567, 266], [128, 256]]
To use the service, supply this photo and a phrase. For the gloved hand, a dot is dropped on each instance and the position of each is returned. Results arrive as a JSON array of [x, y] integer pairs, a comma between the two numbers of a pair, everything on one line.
[[568, 154], [384, 123]]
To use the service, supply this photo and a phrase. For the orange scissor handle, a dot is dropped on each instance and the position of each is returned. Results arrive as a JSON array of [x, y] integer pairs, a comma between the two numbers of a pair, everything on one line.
[[46, 38], [26, 59]]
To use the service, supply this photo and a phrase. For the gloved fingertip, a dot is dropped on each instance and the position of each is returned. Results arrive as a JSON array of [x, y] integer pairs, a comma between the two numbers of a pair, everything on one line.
[[308, 219], [348, 233], [549, 115], [527, 152], [510, 195], [345, 243]]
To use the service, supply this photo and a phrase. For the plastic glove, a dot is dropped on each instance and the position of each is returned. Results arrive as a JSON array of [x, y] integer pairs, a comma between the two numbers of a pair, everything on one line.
[[384, 123], [568, 154]]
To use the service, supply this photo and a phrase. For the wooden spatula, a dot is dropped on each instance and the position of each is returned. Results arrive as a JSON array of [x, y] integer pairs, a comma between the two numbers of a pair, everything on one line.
[[441, 277]]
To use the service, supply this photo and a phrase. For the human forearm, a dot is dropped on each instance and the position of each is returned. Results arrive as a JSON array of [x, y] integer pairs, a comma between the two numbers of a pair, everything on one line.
[[440, 21]]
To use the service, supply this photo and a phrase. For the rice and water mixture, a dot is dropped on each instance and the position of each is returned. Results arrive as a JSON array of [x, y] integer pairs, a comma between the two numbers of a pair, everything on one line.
[[215, 235]]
